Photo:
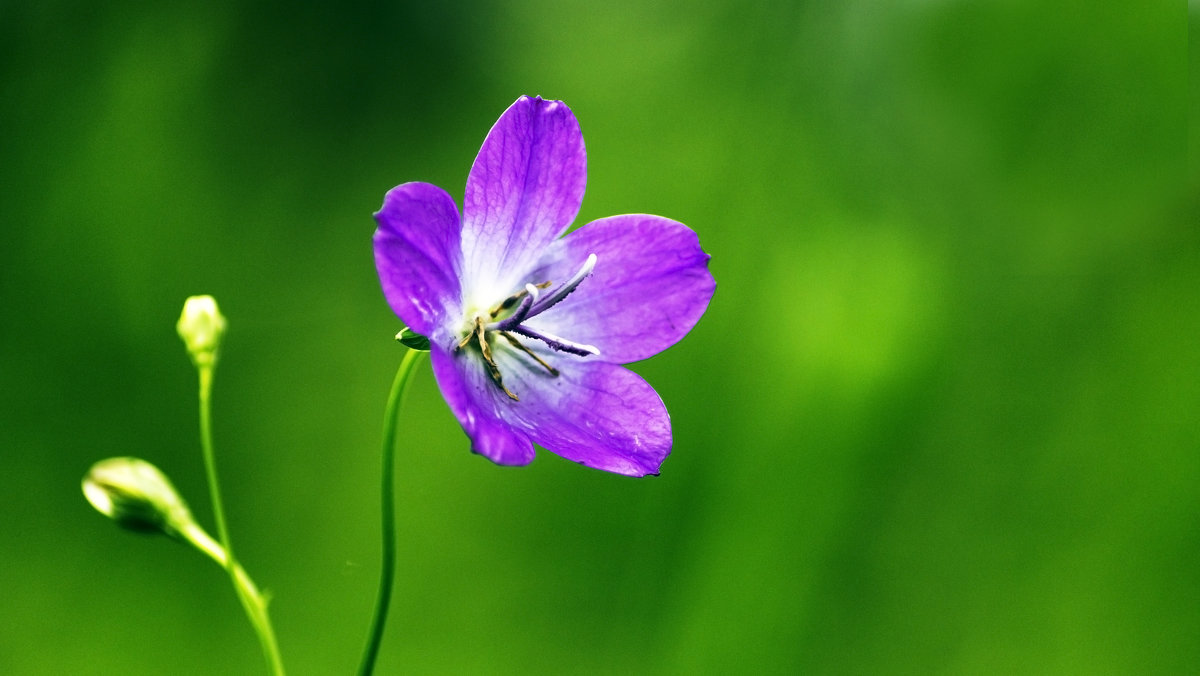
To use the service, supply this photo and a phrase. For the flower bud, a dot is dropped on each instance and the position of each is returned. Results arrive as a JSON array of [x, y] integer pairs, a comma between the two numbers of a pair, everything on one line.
[[201, 326], [137, 496]]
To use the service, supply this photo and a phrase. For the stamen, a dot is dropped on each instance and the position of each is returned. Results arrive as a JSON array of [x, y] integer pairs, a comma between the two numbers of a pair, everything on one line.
[[466, 339], [566, 289], [512, 340], [530, 290], [493, 370], [479, 335], [559, 344]]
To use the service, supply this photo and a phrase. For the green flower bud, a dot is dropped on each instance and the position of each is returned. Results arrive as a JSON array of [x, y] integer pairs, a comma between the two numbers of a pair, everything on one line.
[[137, 496], [201, 326]]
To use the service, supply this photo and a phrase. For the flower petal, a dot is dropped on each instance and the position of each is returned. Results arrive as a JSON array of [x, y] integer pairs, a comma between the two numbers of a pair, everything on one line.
[[595, 413], [418, 255], [524, 189], [473, 399], [650, 286]]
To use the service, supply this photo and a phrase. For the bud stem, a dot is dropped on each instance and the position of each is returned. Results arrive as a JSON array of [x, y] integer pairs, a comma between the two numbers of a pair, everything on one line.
[[248, 594]]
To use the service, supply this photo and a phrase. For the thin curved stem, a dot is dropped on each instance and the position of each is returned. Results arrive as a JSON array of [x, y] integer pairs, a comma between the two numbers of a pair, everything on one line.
[[387, 572], [252, 601], [243, 584]]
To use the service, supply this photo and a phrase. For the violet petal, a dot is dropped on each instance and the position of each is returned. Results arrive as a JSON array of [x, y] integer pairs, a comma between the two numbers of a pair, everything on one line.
[[650, 286], [598, 414], [524, 190], [595, 413], [479, 406], [418, 256]]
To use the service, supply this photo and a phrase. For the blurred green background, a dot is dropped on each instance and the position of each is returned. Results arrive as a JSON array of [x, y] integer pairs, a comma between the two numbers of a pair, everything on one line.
[[941, 416]]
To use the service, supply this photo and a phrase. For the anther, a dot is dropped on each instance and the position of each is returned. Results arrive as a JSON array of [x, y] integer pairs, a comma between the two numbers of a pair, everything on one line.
[[478, 334], [466, 340], [493, 370]]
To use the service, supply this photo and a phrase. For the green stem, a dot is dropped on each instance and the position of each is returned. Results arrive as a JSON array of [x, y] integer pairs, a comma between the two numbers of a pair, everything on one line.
[[244, 586], [387, 572], [252, 601]]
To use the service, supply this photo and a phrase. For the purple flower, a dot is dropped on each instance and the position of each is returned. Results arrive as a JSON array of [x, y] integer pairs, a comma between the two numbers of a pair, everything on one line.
[[527, 331]]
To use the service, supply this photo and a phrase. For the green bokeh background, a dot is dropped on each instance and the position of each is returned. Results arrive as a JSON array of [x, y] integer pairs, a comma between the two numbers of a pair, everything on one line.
[[941, 416]]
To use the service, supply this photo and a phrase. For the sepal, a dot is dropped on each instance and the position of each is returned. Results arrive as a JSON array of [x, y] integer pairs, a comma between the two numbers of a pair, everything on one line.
[[413, 340]]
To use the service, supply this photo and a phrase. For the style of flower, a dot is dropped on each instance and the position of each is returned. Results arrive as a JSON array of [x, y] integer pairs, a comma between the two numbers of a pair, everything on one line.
[[528, 332]]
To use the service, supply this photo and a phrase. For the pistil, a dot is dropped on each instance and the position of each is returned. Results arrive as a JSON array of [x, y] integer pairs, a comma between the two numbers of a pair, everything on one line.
[[558, 344], [536, 305], [565, 290], [530, 290]]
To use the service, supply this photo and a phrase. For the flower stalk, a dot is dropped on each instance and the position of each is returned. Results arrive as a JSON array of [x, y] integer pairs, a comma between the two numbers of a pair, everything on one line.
[[201, 326], [387, 572], [253, 602]]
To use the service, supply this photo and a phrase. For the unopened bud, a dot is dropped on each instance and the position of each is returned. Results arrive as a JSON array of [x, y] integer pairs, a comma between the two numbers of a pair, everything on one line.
[[137, 496], [201, 326]]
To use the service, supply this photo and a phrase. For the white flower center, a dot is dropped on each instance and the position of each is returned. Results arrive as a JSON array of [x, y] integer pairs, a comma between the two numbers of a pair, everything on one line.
[[507, 318]]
